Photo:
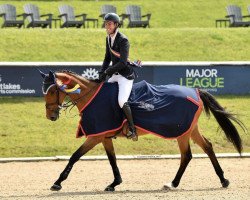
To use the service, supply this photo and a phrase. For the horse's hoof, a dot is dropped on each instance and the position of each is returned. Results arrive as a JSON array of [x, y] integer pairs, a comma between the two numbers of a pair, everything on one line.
[[56, 187], [168, 186], [225, 184], [110, 189]]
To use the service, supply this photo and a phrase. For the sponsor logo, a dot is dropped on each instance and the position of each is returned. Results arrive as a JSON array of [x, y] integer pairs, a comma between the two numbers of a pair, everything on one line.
[[90, 73], [9, 88], [207, 79]]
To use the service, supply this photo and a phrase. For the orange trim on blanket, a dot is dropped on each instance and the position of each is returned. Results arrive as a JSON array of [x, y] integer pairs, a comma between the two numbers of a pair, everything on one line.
[[196, 116], [97, 91], [78, 129], [102, 133], [193, 100], [79, 124]]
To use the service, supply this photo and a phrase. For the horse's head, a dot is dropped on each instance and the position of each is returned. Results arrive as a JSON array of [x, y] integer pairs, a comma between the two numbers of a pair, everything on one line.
[[57, 85], [53, 95]]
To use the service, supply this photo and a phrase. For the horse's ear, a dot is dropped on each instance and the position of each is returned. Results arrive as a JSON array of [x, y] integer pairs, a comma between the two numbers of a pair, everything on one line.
[[51, 75], [42, 74]]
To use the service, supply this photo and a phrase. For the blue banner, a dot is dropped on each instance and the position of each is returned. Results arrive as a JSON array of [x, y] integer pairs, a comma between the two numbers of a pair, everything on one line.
[[216, 79], [25, 80]]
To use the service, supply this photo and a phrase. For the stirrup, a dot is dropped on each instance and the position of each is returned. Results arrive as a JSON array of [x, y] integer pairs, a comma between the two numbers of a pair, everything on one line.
[[132, 135]]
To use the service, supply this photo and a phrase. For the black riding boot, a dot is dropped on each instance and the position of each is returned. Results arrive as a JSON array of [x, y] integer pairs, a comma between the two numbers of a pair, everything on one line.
[[132, 131]]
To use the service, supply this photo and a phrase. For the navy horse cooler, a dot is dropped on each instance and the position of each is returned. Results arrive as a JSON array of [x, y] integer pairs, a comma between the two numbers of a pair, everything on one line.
[[167, 111]]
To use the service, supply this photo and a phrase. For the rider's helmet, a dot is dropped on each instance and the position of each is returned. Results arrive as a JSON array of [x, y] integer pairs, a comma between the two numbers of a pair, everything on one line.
[[112, 17]]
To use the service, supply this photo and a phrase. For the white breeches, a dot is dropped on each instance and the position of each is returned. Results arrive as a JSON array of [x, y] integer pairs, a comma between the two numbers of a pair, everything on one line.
[[125, 87]]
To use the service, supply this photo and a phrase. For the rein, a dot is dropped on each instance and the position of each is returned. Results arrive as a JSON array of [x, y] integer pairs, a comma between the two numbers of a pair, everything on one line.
[[75, 102], [69, 104]]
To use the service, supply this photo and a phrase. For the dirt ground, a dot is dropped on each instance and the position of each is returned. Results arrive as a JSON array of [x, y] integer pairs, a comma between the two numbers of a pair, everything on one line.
[[142, 179]]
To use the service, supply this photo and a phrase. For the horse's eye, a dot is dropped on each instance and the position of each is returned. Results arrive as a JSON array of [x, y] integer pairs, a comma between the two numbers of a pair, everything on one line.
[[52, 92]]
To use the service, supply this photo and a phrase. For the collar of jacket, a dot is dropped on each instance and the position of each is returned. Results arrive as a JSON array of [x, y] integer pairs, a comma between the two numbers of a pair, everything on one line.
[[114, 37]]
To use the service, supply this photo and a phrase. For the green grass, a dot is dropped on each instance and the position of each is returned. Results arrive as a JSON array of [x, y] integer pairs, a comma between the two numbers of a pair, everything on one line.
[[25, 131], [183, 44]]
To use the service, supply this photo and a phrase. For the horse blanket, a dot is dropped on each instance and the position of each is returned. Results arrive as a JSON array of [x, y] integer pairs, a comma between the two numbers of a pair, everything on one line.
[[165, 110]]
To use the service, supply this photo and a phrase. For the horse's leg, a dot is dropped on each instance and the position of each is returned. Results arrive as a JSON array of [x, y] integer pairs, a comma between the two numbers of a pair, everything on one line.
[[86, 146], [208, 149], [186, 156], [108, 145]]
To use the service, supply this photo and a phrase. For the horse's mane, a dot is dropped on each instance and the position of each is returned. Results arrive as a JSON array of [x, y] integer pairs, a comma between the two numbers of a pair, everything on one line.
[[74, 74]]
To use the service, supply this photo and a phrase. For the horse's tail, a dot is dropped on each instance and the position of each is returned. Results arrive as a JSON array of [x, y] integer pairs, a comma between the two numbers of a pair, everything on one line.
[[224, 118]]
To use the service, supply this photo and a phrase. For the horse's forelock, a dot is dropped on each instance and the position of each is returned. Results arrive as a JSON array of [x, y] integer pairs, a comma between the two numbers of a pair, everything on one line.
[[47, 82], [48, 79]]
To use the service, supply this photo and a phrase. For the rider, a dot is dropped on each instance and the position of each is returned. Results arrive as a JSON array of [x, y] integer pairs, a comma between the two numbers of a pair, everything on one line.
[[120, 71]]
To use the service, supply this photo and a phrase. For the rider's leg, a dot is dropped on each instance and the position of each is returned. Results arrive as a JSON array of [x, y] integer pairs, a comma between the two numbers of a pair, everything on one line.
[[125, 87], [132, 131]]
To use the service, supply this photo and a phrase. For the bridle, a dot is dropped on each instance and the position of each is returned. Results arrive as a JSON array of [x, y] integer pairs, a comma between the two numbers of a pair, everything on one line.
[[69, 104], [59, 106]]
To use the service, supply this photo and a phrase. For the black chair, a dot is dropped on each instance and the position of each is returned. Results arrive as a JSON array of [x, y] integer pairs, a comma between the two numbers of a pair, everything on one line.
[[8, 12], [34, 17], [107, 9], [248, 9], [133, 13], [68, 17], [235, 16]]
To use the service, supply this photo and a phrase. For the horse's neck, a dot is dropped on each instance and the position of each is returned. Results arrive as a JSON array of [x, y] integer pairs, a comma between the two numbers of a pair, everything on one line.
[[86, 94]]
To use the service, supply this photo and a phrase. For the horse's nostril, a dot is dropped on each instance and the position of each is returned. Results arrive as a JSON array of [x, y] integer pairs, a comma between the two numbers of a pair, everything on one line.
[[53, 118]]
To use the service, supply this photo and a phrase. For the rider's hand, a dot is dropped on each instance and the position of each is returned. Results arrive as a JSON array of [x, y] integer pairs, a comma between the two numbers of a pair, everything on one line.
[[109, 71], [102, 76]]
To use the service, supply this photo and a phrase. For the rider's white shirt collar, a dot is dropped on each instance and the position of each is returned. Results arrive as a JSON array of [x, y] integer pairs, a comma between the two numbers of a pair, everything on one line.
[[113, 37]]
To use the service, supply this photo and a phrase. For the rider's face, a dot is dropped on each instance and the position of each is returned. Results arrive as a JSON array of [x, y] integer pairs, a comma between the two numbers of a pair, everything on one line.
[[110, 27]]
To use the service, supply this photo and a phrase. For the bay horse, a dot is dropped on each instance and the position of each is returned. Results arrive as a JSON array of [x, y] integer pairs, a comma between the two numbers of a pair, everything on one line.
[[54, 96]]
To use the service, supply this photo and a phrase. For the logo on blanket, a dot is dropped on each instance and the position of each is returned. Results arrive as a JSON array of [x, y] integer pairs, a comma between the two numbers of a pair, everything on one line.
[[146, 106], [207, 79], [90, 73]]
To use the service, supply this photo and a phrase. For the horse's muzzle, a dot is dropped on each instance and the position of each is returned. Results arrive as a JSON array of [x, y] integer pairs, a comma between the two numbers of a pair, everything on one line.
[[53, 115], [53, 118]]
